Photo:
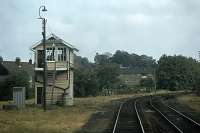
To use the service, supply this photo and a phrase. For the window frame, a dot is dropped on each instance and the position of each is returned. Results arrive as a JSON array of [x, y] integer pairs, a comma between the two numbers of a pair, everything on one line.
[[52, 57], [63, 56]]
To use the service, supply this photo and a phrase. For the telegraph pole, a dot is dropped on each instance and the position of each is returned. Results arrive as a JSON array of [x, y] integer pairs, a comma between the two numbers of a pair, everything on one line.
[[44, 20]]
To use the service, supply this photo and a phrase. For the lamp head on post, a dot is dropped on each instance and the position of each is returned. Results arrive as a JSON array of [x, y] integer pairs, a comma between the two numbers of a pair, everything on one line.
[[43, 9]]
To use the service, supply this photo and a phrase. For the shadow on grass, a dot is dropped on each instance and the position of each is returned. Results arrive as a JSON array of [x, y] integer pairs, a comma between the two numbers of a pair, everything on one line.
[[102, 120]]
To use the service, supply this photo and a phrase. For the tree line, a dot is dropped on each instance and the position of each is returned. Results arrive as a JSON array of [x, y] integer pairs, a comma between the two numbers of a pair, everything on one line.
[[169, 72], [103, 75], [177, 73], [138, 64]]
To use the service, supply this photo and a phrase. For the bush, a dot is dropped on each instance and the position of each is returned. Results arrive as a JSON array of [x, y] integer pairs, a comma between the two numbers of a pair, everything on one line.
[[85, 83], [18, 78]]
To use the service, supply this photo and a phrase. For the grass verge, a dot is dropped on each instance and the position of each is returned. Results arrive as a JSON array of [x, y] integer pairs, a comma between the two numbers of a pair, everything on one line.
[[192, 101], [60, 120]]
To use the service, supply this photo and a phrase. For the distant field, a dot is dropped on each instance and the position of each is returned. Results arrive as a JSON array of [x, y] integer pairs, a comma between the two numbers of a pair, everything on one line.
[[131, 79]]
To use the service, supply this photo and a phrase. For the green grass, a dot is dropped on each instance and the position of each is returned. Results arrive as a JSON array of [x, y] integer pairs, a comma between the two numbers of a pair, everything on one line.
[[60, 120], [193, 101]]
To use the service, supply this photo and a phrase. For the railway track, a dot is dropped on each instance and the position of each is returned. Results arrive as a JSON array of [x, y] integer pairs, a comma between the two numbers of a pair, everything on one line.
[[151, 120], [147, 115], [180, 122], [128, 119]]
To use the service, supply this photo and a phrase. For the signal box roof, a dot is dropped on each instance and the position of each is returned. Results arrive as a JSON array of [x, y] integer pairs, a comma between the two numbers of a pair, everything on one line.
[[56, 40]]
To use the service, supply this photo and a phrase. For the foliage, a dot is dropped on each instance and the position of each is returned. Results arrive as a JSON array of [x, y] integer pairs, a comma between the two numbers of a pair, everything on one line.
[[85, 83], [101, 59], [197, 79], [82, 63], [93, 78], [107, 74], [135, 63], [103, 75], [147, 82], [172, 72], [177, 72], [18, 78]]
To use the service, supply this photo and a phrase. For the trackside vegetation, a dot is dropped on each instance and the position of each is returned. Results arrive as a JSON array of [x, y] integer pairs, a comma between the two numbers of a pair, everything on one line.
[[17, 78], [178, 72], [171, 73], [103, 76], [108, 74]]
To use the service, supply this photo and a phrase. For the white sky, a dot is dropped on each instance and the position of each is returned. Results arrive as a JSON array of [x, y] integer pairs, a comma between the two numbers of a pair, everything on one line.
[[151, 27]]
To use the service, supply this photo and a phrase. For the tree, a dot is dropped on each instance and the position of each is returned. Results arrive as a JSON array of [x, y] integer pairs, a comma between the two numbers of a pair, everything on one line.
[[85, 80], [85, 83], [176, 72], [107, 75], [197, 79], [135, 63], [101, 59], [82, 62], [91, 78], [122, 57], [103, 75]]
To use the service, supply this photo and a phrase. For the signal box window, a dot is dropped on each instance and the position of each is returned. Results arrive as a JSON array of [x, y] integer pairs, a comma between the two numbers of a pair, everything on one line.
[[61, 54], [50, 54]]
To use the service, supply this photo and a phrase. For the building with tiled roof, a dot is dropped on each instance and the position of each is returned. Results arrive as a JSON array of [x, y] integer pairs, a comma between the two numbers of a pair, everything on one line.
[[9, 67]]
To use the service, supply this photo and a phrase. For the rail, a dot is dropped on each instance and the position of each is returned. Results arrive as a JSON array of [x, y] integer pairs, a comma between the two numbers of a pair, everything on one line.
[[138, 116], [118, 115], [185, 125], [116, 121], [156, 109], [188, 118]]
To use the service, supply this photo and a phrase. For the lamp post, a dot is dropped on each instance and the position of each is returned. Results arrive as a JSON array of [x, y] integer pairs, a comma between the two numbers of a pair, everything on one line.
[[54, 75], [155, 77], [43, 8], [155, 80]]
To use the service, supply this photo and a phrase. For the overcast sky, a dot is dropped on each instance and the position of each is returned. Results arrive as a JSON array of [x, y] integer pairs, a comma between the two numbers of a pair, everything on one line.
[[151, 27]]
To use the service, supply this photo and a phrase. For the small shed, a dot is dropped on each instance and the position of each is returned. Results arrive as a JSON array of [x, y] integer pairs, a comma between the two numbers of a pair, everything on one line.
[[19, 96]]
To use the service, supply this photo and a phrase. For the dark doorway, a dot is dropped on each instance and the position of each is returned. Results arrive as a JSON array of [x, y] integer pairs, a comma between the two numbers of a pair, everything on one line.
[[39, 95], [40, 56]]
